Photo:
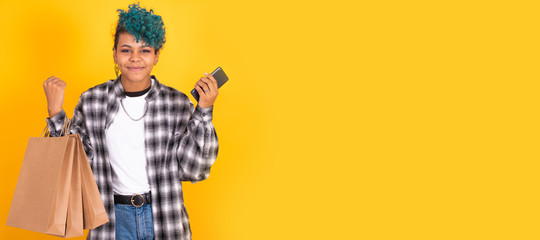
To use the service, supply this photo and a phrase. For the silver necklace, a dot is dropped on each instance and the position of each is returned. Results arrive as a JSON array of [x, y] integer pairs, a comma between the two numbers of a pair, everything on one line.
[[144, 114]]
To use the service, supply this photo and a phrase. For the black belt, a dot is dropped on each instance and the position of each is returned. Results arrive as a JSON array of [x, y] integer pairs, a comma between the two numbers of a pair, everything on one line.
[[136, 200]]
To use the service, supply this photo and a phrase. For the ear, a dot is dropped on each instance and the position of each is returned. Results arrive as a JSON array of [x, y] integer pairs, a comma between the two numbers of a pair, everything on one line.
[[114, 55], [156, 58]]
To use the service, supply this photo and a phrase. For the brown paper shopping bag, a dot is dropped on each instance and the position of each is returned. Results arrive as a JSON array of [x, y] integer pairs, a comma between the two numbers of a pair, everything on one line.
[[74, 224], [85, 207], [94, 210], [56, 192], [41, 196]]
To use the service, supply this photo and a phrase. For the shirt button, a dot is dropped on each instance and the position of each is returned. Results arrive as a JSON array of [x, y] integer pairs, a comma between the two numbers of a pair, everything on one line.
[[207, 135], [204, 114]]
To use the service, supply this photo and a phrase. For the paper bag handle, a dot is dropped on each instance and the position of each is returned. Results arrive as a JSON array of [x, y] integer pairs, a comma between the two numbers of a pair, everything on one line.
[[46, 131], [65, 129]]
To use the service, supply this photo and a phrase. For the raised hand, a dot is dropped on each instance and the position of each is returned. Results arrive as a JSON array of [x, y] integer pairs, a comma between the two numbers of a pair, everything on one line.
[[208, 90], [54, 91]]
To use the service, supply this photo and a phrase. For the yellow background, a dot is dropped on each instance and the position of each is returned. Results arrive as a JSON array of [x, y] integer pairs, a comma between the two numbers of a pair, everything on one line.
[[341, 119]]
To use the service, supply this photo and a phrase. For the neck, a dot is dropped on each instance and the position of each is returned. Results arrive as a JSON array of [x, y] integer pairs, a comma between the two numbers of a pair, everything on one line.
[[132, 86]]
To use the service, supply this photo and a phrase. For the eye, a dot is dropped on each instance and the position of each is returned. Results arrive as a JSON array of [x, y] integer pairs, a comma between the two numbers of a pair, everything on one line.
[[124, 50], [146, 51]]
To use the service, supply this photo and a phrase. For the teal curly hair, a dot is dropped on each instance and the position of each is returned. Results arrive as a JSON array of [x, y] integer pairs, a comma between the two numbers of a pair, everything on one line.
[[141, 23]]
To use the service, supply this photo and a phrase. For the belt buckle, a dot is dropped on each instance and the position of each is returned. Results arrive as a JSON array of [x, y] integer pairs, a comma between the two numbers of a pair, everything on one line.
[[133, 200]]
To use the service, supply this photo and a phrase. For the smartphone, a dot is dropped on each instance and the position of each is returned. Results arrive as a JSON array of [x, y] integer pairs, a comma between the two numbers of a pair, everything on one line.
[[219, 75]]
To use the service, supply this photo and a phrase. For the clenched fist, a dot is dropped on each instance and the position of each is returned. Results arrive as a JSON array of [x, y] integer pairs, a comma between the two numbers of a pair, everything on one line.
[[54, 91]]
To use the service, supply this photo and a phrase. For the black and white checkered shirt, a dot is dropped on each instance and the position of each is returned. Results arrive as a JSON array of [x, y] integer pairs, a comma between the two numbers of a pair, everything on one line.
[[181, 145]]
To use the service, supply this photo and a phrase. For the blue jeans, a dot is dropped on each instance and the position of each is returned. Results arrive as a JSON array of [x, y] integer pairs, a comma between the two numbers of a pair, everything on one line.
[[134, 223]]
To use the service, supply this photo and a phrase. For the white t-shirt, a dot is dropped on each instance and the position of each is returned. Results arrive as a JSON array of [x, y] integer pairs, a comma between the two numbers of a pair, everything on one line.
[[125, 144]]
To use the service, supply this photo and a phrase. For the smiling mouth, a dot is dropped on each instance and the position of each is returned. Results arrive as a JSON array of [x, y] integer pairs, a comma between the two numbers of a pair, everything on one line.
[[135, 69]]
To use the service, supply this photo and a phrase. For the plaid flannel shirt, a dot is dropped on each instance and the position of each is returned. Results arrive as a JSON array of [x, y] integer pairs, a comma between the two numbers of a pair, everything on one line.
[[181, 145]]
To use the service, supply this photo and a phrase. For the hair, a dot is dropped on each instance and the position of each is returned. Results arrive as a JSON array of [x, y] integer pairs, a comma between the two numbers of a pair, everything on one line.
[[141, 23]]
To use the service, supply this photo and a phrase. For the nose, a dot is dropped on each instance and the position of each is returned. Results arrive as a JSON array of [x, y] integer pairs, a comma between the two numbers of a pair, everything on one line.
[[135, 56]]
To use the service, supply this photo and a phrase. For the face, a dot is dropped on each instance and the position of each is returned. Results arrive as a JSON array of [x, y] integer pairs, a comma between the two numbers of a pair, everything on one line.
[[134, 59]]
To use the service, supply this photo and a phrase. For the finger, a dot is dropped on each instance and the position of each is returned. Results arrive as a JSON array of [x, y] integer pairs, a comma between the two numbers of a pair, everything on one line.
[[205, 84], [200, 91], [213, 87], [57, 82], [202, 86], [48, 80], [209, 83], [213, 80], [49, 83]]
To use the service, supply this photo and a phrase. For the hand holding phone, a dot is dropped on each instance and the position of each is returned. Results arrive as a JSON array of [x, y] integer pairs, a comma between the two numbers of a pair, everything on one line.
[[219, 75]]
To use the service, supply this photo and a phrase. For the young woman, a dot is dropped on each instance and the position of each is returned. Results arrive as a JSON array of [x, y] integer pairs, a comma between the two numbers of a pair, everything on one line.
[[141, 137]]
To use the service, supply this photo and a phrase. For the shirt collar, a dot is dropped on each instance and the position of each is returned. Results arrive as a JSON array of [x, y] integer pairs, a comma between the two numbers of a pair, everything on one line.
[[155, 89]]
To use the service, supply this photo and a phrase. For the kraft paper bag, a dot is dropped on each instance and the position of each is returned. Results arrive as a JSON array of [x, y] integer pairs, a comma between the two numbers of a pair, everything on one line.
[[40, 202], [56, 192], [74, 225], [94, 210], [74, 222]]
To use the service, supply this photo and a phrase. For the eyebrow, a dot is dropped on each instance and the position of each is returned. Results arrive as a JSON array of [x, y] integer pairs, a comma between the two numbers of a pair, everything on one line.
[[125, 45]]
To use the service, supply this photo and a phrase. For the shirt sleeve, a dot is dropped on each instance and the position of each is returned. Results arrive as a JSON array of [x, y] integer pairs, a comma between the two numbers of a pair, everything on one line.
[[198, 146], [76, 125]]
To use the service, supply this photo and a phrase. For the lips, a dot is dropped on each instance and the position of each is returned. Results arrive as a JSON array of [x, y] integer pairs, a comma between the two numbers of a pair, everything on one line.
[[135, 69]]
